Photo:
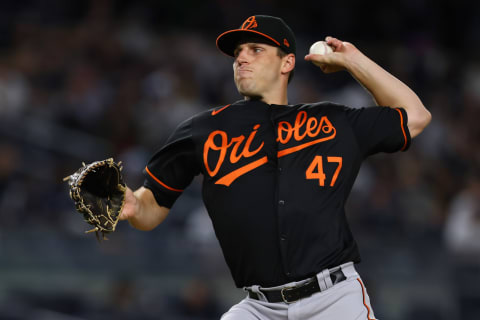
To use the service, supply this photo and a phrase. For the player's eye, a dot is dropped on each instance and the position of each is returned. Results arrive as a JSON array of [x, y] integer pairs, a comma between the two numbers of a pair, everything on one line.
[[257, 49]]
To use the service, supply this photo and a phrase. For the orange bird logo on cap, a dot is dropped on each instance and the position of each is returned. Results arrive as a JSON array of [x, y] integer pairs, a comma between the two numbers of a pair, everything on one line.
[[250, 23]]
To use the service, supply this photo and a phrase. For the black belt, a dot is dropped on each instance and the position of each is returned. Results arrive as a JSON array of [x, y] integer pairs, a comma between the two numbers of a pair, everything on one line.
[[292, 294]]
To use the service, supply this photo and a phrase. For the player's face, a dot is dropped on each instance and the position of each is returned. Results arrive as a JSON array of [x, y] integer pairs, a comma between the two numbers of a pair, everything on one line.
[[256, 69]]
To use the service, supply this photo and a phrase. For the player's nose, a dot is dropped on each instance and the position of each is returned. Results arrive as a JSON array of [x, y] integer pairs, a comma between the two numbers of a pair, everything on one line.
[[241, 56]]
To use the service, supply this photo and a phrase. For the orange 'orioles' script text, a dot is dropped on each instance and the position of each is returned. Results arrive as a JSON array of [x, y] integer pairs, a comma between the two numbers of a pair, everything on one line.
[[218, 144]]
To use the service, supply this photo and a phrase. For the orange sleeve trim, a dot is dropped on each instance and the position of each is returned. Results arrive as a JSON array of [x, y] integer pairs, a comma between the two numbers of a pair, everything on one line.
[[160, 182], [403, 129], [364, 300]]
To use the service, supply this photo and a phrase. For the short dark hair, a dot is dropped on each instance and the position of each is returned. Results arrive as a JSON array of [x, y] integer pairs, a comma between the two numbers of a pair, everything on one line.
[[282, 54]]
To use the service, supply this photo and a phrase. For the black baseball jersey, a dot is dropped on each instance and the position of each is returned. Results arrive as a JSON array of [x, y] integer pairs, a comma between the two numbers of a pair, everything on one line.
[[276, 179]]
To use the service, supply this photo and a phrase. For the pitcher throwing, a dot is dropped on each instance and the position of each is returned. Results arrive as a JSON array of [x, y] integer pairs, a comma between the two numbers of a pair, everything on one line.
[[277, 175]]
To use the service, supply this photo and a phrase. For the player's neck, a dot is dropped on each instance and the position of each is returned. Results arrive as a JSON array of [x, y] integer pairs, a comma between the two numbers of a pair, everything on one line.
[[279, 97]]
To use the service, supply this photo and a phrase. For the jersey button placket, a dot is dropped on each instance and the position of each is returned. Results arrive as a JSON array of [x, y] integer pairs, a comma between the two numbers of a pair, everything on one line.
[[283, 238]]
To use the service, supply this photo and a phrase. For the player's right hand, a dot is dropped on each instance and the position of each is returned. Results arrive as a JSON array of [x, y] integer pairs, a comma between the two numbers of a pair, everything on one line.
[[338, 60]]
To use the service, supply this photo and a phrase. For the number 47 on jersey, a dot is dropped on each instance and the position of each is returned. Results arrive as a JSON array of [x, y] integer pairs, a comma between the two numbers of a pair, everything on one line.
[[315, 170]]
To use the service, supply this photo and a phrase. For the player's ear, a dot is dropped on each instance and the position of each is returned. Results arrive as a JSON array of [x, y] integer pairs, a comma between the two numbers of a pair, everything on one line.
[[288, 63]]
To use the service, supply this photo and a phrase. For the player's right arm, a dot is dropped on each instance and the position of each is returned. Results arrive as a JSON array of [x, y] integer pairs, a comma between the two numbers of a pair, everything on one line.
[[386, 89], [142, 210]]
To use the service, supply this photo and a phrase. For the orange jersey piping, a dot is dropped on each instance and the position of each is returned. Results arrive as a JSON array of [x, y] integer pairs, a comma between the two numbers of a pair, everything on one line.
[[403, 129], [160, 182], [364, 301]]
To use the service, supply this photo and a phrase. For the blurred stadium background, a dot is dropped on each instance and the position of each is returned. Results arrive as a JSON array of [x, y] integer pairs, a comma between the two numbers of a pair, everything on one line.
[[87, 80]]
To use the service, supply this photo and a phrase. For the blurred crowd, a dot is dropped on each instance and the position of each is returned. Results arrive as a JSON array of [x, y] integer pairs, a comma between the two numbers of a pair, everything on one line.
[[88, 80]]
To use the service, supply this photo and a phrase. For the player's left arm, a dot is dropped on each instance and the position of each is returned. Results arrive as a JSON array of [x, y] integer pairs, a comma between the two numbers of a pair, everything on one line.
[[386, 89]]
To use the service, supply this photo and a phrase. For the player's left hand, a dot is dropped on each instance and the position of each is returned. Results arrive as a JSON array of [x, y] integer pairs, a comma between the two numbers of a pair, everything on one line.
[[338, 60], [98, 191], [130, 208]]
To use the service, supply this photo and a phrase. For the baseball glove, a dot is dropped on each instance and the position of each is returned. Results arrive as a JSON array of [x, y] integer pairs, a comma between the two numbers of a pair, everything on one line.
[[98, 191]]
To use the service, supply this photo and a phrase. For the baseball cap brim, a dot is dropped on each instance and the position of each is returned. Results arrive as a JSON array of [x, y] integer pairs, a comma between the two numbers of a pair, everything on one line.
[[228, 41]]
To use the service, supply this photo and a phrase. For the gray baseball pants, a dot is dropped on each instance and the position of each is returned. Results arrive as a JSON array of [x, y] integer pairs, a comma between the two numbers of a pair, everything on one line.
[[346, 300]]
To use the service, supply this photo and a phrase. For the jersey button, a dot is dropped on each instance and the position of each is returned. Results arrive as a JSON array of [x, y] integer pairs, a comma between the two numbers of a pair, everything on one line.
[[283, 237], [281, 202]]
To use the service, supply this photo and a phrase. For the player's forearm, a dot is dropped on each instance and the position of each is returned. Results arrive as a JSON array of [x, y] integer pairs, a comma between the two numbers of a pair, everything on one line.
[[387, 90], [147, 213]]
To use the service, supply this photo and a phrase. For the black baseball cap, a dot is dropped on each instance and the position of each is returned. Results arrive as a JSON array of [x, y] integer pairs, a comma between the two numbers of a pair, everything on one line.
[[267, 29]]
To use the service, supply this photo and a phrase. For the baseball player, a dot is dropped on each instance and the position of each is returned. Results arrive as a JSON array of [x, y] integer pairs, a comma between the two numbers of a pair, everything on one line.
[[277, 175]]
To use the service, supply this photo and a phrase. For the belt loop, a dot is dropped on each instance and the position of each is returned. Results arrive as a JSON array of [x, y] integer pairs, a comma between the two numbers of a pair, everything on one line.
[[348, 269], [256, 289], [328, 280], [324, 280]]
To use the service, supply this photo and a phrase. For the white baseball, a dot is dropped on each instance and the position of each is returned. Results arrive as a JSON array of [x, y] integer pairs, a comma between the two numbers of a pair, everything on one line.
[[320, 47]]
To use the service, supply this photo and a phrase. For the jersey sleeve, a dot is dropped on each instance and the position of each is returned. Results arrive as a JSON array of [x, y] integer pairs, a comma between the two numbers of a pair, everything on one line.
[[173, 167], [380, 129]]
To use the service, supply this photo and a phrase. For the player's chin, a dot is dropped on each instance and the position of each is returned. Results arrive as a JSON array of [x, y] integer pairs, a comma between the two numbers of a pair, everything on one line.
[[247, 89], [251, 95]]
